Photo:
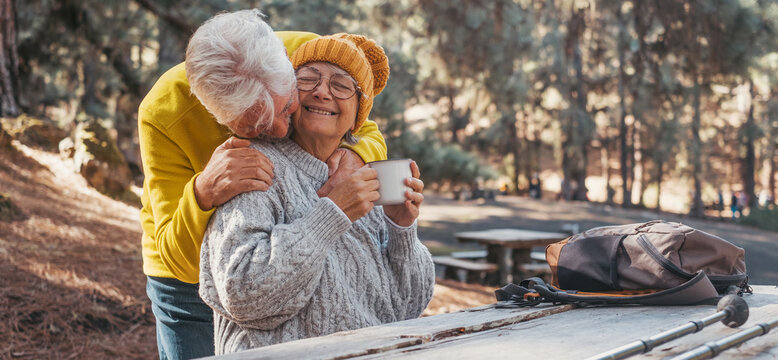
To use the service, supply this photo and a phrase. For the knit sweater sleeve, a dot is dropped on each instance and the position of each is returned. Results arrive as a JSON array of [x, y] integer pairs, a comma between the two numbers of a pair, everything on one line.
[[259, 272], [413, 271]]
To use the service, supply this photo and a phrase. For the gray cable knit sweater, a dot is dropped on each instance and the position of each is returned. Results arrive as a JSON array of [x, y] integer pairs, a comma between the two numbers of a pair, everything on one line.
[[285, 264]]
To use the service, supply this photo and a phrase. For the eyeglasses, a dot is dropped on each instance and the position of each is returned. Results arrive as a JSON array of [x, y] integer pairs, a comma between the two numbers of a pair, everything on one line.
[[341, 86]]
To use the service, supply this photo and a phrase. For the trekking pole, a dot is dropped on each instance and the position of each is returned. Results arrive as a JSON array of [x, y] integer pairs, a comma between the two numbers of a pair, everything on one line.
[[732, 311], [714, 348]]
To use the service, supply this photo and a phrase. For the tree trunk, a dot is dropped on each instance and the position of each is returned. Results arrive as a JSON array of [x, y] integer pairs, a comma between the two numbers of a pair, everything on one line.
[[583, 164], [9, 61], [580, 118], [644, 178], [513, 142], [573, 133], [581, 135], [452, 120], [537, 147], [697, 208], [626, 192], [89, 101], [771, 150], [642, 19], [605, 172], [526, 146], [772, 172], [172, 46], [772, 143], [749, 162], [4, 138], [566, 175], [659, 175]]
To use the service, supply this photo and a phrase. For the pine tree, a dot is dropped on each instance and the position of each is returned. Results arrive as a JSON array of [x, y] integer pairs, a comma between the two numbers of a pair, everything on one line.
[[9, 60]]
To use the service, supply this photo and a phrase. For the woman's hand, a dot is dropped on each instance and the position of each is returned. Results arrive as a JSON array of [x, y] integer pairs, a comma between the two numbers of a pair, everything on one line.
[[405, 214], [342, 163], [355, 195]]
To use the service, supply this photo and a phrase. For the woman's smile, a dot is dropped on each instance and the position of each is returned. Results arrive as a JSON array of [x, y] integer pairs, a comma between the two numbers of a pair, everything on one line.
[[319, 111]]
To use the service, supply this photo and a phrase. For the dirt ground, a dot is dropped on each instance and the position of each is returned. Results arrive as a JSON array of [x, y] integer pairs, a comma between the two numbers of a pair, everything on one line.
[[72, 285]]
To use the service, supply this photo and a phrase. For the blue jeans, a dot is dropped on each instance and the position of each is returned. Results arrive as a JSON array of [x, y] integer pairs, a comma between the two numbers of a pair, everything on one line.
[[184, 321]]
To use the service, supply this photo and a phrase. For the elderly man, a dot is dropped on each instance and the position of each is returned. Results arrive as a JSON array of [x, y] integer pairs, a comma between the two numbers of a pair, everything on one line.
[[193, 127]]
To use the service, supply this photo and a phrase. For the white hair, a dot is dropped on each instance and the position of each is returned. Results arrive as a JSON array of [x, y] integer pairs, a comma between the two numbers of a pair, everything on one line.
[[233, 62]]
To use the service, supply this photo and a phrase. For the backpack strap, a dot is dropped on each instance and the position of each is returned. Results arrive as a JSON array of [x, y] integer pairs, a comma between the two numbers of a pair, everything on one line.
[[522, 295], [533, 291]]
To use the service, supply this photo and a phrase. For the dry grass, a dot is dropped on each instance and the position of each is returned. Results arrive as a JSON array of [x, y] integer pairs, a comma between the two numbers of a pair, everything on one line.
[[76, 289]]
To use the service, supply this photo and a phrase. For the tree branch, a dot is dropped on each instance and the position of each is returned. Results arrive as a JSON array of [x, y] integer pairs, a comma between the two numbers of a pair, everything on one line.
[[119, 61], [175, 21]]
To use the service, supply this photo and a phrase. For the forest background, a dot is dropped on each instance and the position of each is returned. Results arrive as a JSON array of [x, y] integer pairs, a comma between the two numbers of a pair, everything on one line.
[[666, 104]]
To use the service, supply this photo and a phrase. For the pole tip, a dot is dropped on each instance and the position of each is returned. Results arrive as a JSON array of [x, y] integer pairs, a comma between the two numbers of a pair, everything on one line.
[[737, 310]]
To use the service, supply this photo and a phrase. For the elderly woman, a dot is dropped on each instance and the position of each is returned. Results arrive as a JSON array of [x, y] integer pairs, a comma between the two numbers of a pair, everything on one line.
[[285, 264]]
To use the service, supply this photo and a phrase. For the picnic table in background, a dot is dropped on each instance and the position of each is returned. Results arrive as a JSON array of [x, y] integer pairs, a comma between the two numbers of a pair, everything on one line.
[[542, 332], [509, 248]]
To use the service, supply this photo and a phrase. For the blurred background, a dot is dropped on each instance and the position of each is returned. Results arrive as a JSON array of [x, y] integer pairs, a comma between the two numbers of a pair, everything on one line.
[[664, 104], [534, 114]]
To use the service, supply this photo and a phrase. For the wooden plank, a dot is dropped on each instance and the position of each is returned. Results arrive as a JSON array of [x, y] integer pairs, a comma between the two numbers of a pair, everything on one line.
[[571, 228], [475, 254], [538, 255], [535, 268], [403, 334], [464, 264], [587, 332], [517, 238], [498, 255], [508, 234]]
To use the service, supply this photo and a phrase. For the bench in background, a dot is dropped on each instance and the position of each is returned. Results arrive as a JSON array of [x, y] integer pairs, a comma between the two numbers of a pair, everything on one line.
[[541, 270], [570, 228], [473, 269], [470, 255], [538, 267]]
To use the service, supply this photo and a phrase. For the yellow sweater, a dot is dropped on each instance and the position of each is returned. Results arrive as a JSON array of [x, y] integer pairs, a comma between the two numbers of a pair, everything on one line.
[[177, 137]]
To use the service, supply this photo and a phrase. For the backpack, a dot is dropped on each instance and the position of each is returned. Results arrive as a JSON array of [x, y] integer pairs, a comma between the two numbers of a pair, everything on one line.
[[652, 263]]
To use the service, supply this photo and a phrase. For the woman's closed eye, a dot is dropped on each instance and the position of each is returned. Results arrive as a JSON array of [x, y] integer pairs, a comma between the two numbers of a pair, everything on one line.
[[342, 85], [307, 80]]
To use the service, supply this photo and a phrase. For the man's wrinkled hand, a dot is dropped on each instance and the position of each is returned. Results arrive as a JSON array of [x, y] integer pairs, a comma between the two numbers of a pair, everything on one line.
[[234, 168], [342, 163]]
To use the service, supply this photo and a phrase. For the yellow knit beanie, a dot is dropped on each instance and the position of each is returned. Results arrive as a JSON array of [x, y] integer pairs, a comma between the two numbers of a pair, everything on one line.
[[361, 57]]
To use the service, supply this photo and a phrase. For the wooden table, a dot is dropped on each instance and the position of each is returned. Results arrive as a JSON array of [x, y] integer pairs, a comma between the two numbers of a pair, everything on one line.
[[509, 248], [543, 332]]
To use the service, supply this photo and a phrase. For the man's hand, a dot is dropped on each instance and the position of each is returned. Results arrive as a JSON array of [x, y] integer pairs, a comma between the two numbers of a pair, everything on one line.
[[342, 163], [405, 214], [355, 195], [234, 168]]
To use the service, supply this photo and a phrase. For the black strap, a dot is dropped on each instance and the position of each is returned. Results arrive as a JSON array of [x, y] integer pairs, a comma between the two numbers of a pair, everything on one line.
[[533, 291], [505, 293], [522, 295]]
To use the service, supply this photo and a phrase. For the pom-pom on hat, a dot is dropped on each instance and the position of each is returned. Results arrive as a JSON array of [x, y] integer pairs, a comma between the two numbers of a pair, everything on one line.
[[359, 56]]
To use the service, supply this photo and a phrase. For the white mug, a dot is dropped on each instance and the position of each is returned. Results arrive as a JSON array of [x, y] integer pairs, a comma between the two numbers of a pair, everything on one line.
[[391, 178]]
